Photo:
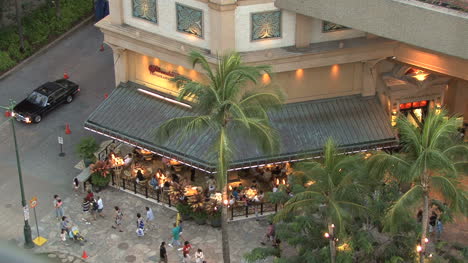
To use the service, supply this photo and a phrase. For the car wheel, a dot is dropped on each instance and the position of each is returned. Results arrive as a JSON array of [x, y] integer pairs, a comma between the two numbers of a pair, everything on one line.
[[69, 98], [37, 119]]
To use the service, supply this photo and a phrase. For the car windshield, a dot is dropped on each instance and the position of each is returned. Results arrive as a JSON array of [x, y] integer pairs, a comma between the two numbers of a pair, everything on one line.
[[38, 99]]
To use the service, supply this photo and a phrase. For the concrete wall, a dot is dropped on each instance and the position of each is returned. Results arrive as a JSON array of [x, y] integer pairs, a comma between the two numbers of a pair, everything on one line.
[[412, 22], [167, 21], [456, 97], [243, 28], [319, 36]]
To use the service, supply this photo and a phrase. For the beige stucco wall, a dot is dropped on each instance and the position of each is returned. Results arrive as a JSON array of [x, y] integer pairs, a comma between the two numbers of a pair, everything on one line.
[[319, 83], [319, 36], [456, 97], [244, 24], [167, 21]]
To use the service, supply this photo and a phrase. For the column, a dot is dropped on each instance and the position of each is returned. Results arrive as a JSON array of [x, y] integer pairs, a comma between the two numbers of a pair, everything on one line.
[[369, 77], [303, 30], [116, 12], [222, 26], [120, 64]]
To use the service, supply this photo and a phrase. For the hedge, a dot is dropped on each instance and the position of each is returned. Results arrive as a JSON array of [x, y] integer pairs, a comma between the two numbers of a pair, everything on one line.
[[40, 27]]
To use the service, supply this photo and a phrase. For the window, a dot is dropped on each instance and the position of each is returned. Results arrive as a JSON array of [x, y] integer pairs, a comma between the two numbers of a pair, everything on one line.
[[266, 25], [146, 9], [189, 20], [328, 27]]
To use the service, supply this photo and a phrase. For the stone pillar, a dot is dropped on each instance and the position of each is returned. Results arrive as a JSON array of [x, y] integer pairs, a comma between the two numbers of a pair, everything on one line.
[[116, 12], [303, 30], [120, 64], [369, 78], [222, 26]]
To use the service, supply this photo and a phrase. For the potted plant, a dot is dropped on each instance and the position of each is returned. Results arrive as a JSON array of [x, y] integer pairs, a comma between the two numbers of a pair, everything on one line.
[[199, 217], [86, 149], [100, 175], [184, 211], [197, 204]]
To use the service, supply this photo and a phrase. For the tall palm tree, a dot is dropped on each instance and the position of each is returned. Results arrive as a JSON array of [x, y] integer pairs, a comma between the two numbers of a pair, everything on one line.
[[224, 106], [429, 161], [334, 192]]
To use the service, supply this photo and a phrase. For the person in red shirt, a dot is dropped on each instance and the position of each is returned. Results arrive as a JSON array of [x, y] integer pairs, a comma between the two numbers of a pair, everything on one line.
[[186, 251], [90, 196]]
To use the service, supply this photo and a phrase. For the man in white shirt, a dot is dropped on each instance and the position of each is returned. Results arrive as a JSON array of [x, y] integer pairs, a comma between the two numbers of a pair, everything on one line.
[[100, 206], [149, 218]]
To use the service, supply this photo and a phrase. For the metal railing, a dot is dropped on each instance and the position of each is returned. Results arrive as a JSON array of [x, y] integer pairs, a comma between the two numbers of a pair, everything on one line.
[[252, 209]]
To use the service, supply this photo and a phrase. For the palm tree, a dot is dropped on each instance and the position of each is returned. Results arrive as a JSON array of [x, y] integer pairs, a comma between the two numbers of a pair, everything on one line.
[[18, 9], [224, 106], [429, 161], [334, 191]]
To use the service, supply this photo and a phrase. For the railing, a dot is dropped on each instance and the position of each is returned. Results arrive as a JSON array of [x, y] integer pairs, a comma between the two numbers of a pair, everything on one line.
[[452, 4], [161, 196]]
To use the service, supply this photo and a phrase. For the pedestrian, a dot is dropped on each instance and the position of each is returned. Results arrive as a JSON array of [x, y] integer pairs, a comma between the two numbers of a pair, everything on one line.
[[58, 205], [76, 185], [86, 206], [140, 226], [65, 224], [100, 206], [186, 252], [432, 221], [118, 219], [63, 235], [439, 228], [175, 236], [270, 234], [199, 257], [94, 209], [162, 253], [90, 195], [181, 226], [149, 218]]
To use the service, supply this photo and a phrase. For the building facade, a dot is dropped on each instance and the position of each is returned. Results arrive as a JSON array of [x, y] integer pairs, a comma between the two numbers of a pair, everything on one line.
[[313, 58]]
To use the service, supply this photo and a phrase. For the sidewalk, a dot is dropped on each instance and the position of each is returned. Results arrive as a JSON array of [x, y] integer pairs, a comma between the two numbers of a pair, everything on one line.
[[105, 244]]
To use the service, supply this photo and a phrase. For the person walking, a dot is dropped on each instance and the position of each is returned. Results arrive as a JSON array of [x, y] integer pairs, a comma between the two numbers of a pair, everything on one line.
[[149, 218], [94, 209], [76, 185], [199, 257], [186, 252], [439, 228], [175, 236], [86, 206], [140, 226], [162, 253], [100, 206], [270, 234], [58, 205], [118, 219], [90, 195], [65, 225]]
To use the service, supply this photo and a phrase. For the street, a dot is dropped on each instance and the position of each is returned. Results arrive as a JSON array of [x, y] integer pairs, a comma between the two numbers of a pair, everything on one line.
[[44, 172]]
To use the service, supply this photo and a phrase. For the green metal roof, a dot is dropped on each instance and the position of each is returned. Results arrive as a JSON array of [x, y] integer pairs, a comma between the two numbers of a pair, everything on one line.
[[354, 122]]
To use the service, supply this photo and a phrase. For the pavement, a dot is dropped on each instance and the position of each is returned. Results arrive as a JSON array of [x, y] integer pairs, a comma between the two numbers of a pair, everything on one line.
[[105, 244]]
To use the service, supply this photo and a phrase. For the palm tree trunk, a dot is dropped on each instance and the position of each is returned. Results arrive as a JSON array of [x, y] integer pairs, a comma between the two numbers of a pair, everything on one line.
[[224, 230], [425, 220], [58, 11], [18, 7], [331, 231]]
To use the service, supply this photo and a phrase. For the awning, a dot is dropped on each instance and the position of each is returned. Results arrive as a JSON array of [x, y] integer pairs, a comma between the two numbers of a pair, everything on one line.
[[356, 123]]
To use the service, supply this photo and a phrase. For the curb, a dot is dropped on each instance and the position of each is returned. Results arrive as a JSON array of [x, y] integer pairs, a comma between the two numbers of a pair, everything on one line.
[[46, 47]]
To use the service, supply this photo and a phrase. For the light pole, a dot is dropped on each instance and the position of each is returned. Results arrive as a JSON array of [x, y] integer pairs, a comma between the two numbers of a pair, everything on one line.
[[27, 229]]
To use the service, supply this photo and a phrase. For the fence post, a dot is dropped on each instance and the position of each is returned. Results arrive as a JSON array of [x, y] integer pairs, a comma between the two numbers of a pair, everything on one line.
[[157, 195], [84, 186], [123, 183], [276, 208], [146, 191], [246, 210], [113, 179], [169, 198], [261, 208], [134, 186]]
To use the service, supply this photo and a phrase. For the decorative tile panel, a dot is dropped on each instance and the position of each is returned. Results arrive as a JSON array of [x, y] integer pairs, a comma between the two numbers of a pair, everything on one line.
[[331, 27], [146, 9], [189, 20], [266, 25]]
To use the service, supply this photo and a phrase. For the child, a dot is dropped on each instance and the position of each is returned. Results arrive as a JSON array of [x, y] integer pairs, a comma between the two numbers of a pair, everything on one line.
[[63, 235], [76, 184]]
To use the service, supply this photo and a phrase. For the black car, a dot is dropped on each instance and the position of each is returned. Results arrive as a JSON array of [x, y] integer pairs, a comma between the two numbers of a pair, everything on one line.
[[44, 99]]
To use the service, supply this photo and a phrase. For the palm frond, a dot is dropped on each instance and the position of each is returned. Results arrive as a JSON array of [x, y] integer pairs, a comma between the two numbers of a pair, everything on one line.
[[410, 135], [382, 162], [448, 189], [190, 124], [198, 59], [400, 207], [261, 253], [261, 133], [287, 210]]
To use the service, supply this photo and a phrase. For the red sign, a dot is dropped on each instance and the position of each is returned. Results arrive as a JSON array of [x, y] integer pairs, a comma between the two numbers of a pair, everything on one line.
[[33, 202], [156, 69]]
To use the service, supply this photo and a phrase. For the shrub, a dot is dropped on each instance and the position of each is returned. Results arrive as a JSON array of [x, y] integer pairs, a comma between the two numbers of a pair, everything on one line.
[[5, 61]]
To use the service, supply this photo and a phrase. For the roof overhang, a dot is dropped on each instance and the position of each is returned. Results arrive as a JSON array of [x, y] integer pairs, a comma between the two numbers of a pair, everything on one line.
[[356, 123]]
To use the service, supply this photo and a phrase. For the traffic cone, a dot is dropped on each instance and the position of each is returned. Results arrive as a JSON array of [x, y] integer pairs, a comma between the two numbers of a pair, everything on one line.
[[67, 129], [65, 75], [84, 256], [101, 48], [106, 95]]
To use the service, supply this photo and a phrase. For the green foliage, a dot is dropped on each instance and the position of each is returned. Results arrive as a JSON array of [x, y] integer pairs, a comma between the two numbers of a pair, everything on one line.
[[5, 61], [87, 147], [184, 209], [261, 253], [40, 26], [98, 180]]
